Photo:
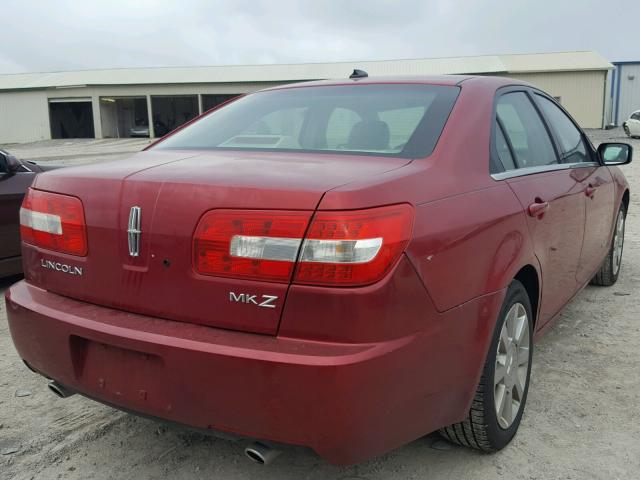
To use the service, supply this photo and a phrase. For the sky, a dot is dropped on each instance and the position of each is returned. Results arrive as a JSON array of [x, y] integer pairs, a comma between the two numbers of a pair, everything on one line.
[[59, 35]]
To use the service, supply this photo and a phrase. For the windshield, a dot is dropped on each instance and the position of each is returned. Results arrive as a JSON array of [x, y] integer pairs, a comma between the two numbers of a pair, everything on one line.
[[403, 120]]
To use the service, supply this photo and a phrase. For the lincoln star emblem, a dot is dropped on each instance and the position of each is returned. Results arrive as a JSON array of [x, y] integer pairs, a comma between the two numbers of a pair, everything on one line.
[[133, 232]]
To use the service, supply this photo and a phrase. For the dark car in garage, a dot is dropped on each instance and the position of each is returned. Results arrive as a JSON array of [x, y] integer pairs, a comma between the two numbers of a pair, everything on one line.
[[15, 178]]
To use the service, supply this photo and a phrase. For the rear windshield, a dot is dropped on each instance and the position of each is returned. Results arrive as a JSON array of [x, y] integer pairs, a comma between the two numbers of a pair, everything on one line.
[[402, 120]]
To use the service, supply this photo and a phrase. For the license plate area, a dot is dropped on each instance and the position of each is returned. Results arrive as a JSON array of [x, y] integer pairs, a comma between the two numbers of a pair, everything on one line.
[[120, 375]]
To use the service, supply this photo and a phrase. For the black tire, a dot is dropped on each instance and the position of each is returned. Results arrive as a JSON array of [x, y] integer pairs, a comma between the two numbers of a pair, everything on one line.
[[608, 273], [481, 430]]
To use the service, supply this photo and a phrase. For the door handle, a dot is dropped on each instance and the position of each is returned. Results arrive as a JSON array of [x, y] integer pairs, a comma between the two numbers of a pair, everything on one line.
[[590, 191], [538, 208]]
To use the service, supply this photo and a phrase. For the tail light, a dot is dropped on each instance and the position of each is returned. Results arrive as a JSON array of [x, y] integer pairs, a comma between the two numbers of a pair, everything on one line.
[[53, 221], [340, 248], [354, 248], [259, 244]]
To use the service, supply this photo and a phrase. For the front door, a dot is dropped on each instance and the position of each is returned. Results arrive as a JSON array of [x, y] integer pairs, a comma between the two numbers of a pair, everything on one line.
[[596, 183]]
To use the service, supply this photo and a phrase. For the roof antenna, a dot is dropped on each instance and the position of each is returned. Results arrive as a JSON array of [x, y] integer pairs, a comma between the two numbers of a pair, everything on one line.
[[359, 74]]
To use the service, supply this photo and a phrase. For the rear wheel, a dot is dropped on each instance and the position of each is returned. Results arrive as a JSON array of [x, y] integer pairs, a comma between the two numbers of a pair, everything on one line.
[[610, 268], [501, 395]]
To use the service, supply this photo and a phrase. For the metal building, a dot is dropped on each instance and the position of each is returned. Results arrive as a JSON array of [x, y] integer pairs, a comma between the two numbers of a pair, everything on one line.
[[153, 101], [625, 91]]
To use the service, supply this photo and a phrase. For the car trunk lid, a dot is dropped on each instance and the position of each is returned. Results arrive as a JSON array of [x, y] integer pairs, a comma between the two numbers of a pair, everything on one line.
[[172, 190]]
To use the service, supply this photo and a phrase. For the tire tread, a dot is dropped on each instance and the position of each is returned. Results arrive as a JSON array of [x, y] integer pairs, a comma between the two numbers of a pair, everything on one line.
[[479, 429], [473, 427], [605, 276]]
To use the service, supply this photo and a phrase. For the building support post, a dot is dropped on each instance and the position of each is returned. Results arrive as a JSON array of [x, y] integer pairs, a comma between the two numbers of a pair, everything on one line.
[[152, 132], [97, 118]]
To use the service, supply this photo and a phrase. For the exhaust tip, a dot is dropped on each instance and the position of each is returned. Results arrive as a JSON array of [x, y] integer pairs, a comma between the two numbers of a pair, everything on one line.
[[253, 455], [60, 390], [261, 453]]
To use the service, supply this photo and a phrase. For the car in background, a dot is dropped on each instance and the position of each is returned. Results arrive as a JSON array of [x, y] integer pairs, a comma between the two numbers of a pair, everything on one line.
[[632, 125], [346, 265], [141, 129], [15, 178]]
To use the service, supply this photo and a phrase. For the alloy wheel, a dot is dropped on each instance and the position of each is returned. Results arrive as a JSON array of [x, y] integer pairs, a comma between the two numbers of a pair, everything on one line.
[[512, 365], [618, 242]]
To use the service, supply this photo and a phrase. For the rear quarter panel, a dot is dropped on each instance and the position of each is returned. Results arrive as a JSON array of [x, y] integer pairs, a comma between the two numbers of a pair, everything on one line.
[[470, 245]]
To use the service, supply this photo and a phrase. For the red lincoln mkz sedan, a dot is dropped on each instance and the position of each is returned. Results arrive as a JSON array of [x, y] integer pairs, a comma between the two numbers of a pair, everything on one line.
[[346, 265]]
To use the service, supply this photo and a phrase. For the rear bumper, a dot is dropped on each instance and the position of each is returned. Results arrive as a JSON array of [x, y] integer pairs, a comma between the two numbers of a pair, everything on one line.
[[348, 402]]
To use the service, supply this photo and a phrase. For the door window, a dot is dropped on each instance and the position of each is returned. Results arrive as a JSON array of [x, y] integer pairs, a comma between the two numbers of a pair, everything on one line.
[[572, 146], [341, 122], [524, 130], [504, 152]]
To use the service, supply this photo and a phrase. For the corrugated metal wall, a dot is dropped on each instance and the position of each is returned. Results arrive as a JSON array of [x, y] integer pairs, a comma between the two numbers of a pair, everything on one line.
[[627, 87], [581, 93], [24, 117]]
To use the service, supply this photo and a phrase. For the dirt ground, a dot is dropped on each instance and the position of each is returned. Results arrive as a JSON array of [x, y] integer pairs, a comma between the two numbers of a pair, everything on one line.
[[582, 419]]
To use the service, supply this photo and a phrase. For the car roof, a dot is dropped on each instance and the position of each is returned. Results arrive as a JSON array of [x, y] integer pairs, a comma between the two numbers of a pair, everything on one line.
[[450, 80]]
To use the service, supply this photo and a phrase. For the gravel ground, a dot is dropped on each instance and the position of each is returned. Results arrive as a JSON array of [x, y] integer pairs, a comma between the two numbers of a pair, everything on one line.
[[582, 419]]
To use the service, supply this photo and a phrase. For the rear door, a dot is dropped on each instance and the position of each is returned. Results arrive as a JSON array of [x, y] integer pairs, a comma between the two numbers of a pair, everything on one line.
[[596, 181], [551, 195]]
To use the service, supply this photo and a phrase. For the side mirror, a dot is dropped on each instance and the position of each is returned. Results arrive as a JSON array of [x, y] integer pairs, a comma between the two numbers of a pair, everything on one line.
[[4, 166], [615, 153], [8, 164]]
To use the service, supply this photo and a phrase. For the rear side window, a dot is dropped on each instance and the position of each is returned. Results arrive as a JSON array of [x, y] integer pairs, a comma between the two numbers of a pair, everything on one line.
[[572, 146], [400, 120], [524, 131]]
